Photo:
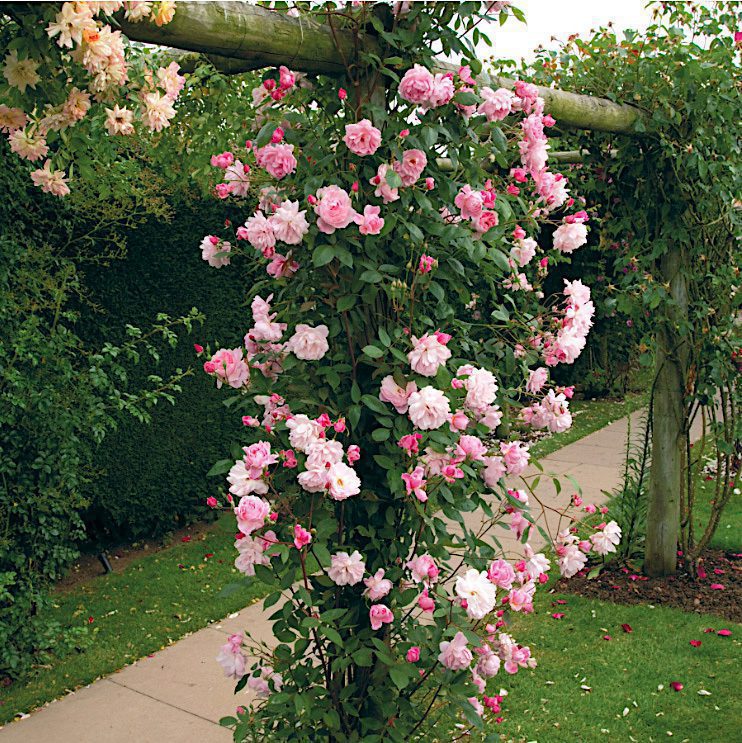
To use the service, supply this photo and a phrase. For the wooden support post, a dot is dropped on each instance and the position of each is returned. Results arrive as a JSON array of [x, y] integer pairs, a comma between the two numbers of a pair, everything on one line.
[[668, 423]]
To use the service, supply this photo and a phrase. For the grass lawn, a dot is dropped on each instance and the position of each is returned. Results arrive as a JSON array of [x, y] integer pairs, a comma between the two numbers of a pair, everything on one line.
[[123, 616], [589, 416], [624, 674], [728, 535]]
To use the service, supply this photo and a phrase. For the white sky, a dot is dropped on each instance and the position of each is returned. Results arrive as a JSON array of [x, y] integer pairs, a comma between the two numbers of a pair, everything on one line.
[[560, 18]]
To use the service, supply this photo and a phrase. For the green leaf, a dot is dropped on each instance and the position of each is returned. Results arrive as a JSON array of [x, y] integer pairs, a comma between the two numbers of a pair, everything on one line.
[[380, 434], [221, 467], [322, 255], [399, 676], [345, 303], [373, 352]]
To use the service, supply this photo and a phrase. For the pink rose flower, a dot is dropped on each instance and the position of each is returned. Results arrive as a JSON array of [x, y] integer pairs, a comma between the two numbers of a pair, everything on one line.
[[485, 221], [411, 166], [259, 234], [301, 537], [423, 569], [413, 654], [362, 138], [309, 344], [251, 513], [377, 586], [342, 481], [455, 654], [497, 104], [417, 85], [277, 159], [428, 409], [222, 161], [569, 237], [469, 202], [230, 368], [481, 390], [257, 458], [383, 189], [442, 92], [515, 455], [282, 266], [334, 209], [211, 246], [289, 225], [415, 483], [501, 573], [536, 379], [346, 569], [493, 471], [471, 448], [379, 615], [231, 658], [427, 354], [398, 396], [369, 223]]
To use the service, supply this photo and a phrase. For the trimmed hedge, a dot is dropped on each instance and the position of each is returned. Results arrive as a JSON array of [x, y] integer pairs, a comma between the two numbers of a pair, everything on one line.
[[151, 478]]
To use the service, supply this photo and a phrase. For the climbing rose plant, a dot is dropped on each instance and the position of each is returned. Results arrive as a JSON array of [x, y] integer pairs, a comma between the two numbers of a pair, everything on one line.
[[72, 85], [400, 345]]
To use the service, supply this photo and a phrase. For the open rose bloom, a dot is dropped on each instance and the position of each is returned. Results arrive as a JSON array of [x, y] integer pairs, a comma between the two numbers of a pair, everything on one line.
[[373, 380]]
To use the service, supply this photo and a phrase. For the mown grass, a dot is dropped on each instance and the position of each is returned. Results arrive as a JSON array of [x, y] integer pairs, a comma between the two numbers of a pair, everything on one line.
[[624, 675], [124, 616]]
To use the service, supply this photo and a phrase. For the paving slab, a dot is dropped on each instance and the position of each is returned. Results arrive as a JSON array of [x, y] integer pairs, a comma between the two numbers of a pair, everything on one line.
[[105, 712]]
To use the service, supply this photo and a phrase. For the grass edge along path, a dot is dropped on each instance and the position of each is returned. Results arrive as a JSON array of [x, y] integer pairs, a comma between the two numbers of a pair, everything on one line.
[[160, 598]]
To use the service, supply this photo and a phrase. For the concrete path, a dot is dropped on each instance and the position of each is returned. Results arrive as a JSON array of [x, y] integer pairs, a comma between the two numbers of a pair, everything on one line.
[[180, 693]]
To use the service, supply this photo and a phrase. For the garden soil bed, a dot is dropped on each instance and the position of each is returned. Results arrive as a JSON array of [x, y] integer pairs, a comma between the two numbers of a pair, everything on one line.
[[621, 585]]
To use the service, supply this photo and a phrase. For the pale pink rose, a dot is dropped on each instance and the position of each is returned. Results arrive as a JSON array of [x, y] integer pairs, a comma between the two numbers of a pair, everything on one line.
[[257, 458], [570, 559], [411, 166], [383, 190], [423, 569], [480, 595], [251, 553], [303, 432], [289, 225], [313, 481], [334, 209], [157, 111], [379, 615], [261, 684], [442, 92], [308, 343], [230, 368], [28, 146], [369, 223], [241, 484], [469, 202], [417, 85], [345, 569], [427, 354], [282, 266], [237, 177], [377, 586], [481, 389], [398, 396], [231, 658], [521, 599], [415, 483], [342, 481], [251, 513], [259, 233], [485, 222], [501, 573], [523, 251], [471, 448], [428, 409], [493, 471], [536, 379], [50, 181], [277, 159], [488, 663], [362, 138], [323, 453], [492, 417], [516, 456], [455, 654], [497, 104], [12, 119], [569, 237], [607, 539], [223, 161]]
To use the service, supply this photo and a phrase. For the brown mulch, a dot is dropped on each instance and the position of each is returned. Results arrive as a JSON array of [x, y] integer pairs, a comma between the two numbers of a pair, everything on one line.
[[623, 585]]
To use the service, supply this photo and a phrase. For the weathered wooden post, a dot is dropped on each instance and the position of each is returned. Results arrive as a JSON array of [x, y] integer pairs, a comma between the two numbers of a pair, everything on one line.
[[668, 422]]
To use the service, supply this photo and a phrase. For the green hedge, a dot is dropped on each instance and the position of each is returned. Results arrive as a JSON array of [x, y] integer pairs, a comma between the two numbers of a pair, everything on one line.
[[152, 477]]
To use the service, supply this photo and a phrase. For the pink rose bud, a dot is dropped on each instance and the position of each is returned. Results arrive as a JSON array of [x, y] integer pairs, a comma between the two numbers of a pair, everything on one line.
[[590, 508], [269, 84], [277, 135], [519, 233], [585, 546], [513, 190], [430, 183], [413, 654], [549, 120], [543, 578], [211, 502], [273, 516], [353, 453], [544, 262], [199, 349], [354, 187], [342, 94], [339, 425], [248, 144], [457, 383], [209, 367], [404, 133], [312, 199]]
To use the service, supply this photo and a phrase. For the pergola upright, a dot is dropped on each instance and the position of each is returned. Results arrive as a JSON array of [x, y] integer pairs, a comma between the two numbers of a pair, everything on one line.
[[237, 37]]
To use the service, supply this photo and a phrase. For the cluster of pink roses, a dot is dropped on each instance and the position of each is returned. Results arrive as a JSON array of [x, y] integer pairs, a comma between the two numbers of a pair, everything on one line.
[[263, 347], [421, 87], [564, 346]]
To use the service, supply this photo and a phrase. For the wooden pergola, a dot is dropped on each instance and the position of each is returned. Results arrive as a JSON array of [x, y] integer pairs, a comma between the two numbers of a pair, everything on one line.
[[237, 36]]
